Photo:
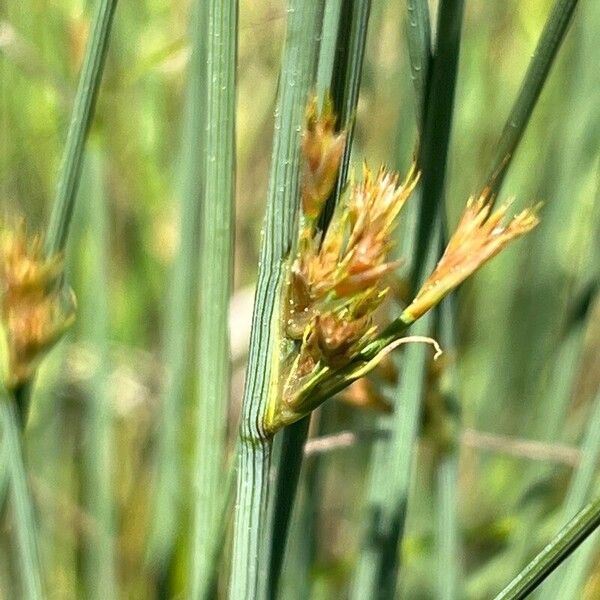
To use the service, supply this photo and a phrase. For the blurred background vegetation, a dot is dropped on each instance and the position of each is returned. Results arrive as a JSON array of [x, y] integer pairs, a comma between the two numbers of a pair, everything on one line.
[[529, 327]]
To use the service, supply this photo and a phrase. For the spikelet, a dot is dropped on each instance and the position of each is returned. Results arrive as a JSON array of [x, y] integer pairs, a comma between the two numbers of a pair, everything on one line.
[[322, 149], [480, 235], [33, 310]]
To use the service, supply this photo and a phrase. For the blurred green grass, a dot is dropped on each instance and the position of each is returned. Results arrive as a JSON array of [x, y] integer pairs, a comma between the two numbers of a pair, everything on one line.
[[522, 331]]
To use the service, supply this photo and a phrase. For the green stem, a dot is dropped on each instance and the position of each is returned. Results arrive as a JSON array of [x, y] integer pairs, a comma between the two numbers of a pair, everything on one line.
[[178, 333], [566, 583], [81, 118], [25, 527], [418, 35], [343, 38], [286, 485], [566, 541], [101, 570], [248, 576], [346, 75], [216, 272], [533, 82], [391, 471], [448, 540], [437, 123]]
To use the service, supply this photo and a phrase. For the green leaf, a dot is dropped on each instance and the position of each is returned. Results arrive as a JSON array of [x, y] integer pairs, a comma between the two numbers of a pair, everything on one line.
[[216, 273], [566, 541]]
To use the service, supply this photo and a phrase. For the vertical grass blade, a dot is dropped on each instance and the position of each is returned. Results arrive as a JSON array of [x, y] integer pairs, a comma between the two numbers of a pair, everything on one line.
[[350, 52], [435, 137], [183, 287], [566, 541], [448, 543], [418, 36], [216, 272], [565, 584], [24, 522], [101, 576], [83, 112], [447, 528], [329, 35], [339, 71], [303, 28], [533, 82], [391, 470]]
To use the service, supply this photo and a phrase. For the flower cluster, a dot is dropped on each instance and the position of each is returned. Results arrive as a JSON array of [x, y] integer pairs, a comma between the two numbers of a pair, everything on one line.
[[479, 236], [336, 281], [322, 149], [34, 313]]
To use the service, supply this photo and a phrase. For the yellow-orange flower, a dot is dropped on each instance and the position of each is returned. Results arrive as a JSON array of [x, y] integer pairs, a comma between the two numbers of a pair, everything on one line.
[[353, 257], [480, 235], [33, 312], [322, 149]]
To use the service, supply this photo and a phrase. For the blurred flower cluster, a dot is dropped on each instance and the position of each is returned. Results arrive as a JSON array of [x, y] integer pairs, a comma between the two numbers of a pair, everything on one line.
[[34, 312]]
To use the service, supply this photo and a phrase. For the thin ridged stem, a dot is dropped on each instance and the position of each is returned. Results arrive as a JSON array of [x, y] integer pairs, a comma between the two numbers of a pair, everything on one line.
[[216, 272], [435, 138], [566, 583], [345, 84], [289, 466], [339, 69], [329, 35], [24, 521], [533, 82], [83, 112], [418, 35], [391, 470], [347, 74], [183, 286], [566, 541], [448, 542], [447, 528], [390, 475], [248, 576], [101, 576]]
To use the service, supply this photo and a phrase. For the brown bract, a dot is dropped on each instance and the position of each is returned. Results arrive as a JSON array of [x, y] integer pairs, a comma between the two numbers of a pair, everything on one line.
[[322, 149], [33, 312], [480, 235]]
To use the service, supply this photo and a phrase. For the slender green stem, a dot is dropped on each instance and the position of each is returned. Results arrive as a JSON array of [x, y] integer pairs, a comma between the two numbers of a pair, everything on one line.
[[418, 35], [218, 531], [25, 527], [286, 484], [566, 541], [248, 576], [391, 470], [178, 332], [327, 50], [343, 38], [448, 543], [216, 271], [345, 83], [447, 528], [437, 127], [101, 575], [566, 583], [347, 74], [533, 82], [83, 112]]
